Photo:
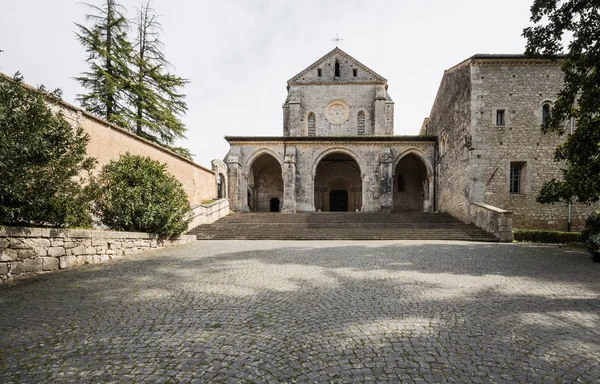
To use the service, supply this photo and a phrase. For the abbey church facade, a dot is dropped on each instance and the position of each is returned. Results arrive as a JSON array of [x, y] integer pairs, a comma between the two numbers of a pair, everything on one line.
[[481, 144]]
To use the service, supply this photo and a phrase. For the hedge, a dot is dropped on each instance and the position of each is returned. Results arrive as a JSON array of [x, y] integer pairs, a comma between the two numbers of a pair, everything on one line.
[[555, 237]]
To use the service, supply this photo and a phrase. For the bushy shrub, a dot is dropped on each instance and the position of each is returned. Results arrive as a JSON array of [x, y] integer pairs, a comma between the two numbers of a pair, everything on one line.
[[540, 236], [592, 225], [591, 235], [138, 194], [42, 160]]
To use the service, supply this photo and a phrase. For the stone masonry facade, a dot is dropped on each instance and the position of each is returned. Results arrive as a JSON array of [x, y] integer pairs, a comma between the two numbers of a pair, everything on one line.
[[29, 251], [487, 116]]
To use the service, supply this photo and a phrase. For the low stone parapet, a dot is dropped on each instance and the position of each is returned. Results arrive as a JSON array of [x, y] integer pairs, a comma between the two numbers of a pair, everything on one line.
[[28, 251], [209, 213], [493, 220]]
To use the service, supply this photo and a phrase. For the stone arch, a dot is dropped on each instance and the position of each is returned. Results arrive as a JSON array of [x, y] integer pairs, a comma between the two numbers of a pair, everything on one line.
[[415, 171], [263, 181], [256, 154], [346, 151], [337, 181]]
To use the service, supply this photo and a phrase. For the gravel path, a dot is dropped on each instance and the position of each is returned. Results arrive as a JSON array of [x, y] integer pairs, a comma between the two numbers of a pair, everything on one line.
[[340, 311]]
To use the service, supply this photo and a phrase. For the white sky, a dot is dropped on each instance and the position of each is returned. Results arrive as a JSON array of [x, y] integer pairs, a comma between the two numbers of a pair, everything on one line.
[[239, 54]]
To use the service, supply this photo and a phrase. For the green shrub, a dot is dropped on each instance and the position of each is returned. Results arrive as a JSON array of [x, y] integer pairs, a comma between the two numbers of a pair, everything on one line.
[[539, 236], [593, 246], [592, 225], [138, 194], [42, 160]]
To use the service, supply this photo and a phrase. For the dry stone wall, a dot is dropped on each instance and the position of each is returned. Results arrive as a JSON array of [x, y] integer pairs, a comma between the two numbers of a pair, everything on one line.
[[29, 251]]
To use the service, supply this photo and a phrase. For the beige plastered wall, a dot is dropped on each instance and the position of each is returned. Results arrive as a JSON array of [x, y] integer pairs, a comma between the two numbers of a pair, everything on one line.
[[108, 142]]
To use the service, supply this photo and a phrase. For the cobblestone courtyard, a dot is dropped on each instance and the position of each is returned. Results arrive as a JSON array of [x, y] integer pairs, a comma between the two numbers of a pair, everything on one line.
[[273, 312]]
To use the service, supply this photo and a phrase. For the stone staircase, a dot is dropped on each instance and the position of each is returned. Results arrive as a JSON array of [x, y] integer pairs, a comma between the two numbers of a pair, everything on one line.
[[340, 226]]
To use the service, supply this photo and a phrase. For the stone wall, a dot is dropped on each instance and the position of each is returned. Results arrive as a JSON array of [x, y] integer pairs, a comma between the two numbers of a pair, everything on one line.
[[29, 251], [108, 142], [520, 87], [493, 220], [450, 121]]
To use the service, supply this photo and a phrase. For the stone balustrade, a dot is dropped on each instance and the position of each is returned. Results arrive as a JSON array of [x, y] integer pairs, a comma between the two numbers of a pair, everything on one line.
[[29, 251], [209, 213]]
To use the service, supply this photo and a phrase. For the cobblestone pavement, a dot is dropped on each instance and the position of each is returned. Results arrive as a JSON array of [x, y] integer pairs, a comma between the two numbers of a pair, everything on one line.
[[269, 311]]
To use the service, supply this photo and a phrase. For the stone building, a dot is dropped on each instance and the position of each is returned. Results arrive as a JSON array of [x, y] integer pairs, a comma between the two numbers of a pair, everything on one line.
[[487, 117], [337, 152], [480, 152]]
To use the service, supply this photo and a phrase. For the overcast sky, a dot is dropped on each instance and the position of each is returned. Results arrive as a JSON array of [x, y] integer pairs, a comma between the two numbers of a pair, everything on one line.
[[239, 54]]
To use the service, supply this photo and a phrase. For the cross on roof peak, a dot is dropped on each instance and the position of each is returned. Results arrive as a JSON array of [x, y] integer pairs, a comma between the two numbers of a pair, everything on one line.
[[337, 39]]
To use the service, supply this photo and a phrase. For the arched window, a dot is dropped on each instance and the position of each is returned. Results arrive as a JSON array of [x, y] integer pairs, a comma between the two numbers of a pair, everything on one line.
[[545, 113], [312, 125], [337, 68], [400, 183], [360, 123]]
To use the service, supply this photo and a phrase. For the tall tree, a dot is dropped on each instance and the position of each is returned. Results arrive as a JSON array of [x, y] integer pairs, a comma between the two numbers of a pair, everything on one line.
[[577, 21], [156, 98], [109, 55]]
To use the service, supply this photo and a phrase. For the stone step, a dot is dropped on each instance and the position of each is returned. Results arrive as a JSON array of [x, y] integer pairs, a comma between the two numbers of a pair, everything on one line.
[[341, 226]]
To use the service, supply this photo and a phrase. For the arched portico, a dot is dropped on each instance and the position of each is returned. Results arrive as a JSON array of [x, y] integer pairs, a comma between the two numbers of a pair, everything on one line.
[[264, 182], [412, 182], [337, 182]]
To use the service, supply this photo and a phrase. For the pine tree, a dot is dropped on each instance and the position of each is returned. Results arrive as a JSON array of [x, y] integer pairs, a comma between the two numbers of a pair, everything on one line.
[[156, 98], [109, 55]]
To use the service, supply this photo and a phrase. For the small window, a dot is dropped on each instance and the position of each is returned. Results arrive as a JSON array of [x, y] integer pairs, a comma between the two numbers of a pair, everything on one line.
[[500, 119], [545, 113], [312, 125], [337, 68], [355, 72], [400, 183], [360, 123], [319, 72], [517, 178]]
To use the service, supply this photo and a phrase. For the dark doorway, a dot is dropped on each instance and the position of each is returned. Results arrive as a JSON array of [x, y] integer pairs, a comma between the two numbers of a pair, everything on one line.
[[274, 205], [338, 200]]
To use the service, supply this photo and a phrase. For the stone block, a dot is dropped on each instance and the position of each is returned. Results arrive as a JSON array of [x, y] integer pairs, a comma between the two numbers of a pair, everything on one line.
[[50, 263], [26, 254], [9, 255], [56, 251], [80, 233], [58, 243], [32, 265], [3, 269], [16, 243], [90, 250], [42, 243], [78, 251], [4, 242], [67, 262], [145, 243], [70, 244], [104, 257], [16, 268], [80, 260], [98, 242]]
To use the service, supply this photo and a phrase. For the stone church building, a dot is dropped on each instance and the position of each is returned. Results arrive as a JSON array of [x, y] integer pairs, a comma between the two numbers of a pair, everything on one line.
[[480, 147]]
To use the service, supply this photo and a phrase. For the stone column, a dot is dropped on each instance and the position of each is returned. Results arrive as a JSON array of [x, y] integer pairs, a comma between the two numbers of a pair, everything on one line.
[[385, 180], [289, 181]]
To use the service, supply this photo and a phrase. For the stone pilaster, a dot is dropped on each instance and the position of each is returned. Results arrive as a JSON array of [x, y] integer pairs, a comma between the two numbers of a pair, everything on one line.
[[386, 201], [235, 178], [289, 181]]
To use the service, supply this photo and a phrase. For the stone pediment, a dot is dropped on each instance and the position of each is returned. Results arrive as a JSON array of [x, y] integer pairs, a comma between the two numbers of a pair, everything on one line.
[[350, 71]]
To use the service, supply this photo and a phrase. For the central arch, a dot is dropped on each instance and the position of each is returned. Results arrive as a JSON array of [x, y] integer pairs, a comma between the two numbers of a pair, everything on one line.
[[338, 183], [412, 183]]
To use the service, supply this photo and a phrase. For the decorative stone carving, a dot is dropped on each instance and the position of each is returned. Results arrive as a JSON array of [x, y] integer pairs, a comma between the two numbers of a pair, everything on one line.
[[337, 112]]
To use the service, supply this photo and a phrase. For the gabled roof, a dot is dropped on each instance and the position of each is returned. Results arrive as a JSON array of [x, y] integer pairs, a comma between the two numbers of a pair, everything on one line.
[[338, 52]]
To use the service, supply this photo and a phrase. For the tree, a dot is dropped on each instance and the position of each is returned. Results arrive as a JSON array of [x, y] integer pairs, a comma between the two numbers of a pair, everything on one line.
[[138, 194], [109, 55], [579, 100], [156, 101], [42, 160]]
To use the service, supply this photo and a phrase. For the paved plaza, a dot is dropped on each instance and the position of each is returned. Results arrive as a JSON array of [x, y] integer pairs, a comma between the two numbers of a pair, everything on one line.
[[339, 312]]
